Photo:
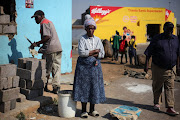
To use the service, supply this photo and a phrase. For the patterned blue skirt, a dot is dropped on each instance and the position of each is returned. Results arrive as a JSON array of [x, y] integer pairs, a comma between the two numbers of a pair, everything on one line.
[[88, 81]]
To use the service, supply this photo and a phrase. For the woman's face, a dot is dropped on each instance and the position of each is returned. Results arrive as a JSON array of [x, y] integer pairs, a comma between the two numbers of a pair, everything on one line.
[[90, 30]]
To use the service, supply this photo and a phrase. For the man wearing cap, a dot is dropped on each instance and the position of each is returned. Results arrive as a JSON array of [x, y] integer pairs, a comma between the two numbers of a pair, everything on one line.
[[51, 49], [164, 49]]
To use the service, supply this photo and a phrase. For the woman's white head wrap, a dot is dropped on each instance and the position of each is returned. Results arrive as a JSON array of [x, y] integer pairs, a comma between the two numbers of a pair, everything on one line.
[[89, 21]]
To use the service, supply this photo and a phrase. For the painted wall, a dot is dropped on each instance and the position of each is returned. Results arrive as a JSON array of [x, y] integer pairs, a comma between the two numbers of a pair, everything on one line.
[[57, 11], [109, 19]]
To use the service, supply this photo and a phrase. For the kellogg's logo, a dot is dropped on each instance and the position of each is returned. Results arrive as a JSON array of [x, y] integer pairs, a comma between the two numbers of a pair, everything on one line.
[[100, 11]]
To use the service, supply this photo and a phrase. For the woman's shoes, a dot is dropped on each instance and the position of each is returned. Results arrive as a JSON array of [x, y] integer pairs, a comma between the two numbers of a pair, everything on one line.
[[84, 115], [94, 114]]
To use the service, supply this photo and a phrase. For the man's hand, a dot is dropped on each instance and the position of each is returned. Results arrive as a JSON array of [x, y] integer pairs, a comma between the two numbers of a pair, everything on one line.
[[33, 45], [146, 66]]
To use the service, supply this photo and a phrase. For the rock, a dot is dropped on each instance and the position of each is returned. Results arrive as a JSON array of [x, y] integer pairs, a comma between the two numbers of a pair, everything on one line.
[[141, 59]]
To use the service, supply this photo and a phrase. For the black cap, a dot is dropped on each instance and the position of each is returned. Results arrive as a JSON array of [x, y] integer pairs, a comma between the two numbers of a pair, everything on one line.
[[38, 13]]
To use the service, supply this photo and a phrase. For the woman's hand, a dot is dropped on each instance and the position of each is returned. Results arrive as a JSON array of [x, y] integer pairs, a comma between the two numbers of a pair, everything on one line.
[[94, 52]]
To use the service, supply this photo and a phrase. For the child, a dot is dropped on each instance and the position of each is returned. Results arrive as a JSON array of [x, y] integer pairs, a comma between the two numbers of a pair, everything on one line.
[[115, 45], [122, 48], [132, 49]]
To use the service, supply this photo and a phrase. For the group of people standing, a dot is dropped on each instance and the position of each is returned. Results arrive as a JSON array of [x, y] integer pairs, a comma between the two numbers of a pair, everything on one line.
[[123, 45], [88, 79]]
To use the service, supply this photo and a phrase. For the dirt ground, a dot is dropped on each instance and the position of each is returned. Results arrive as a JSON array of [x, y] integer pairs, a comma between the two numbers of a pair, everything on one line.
[[112, 70]]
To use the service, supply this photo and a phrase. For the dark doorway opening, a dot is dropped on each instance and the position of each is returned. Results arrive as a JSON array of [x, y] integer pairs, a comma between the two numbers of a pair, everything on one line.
[[8, 7], [152, 30]]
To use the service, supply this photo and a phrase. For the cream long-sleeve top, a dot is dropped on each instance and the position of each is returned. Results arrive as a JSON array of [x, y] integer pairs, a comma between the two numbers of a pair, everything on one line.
[[87, 44]]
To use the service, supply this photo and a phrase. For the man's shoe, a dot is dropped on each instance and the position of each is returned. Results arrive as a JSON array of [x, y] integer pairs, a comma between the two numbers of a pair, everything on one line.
[[55, 90], [172, 112], [156, 107]]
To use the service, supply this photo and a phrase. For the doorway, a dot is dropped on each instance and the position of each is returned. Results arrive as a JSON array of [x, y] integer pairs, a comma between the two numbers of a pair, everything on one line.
[[152, 30]]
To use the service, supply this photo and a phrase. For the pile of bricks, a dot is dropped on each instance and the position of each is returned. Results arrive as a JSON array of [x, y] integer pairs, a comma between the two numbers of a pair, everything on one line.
[[32, 73], [9, 90], [6, 27]]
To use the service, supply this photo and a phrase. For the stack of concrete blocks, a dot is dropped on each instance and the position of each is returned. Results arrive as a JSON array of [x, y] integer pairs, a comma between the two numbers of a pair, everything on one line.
[[9, 90], [32, 73], [6, 27]]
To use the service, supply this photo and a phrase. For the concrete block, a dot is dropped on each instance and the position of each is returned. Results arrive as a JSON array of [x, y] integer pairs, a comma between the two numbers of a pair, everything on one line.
[[3, 83], [13, 104], [31, 75], [10, 81], [42, 64], [30, 94], [22, 83], [34, 84], [0, 28], [4, 19], [35, 64], [10, 94], [15, 81], [21, 98], [9, 29], [22, 62], [32, 65], [8, 70], [5, 106]]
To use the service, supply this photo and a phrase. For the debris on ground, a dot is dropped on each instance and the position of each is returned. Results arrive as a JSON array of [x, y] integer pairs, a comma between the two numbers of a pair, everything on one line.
[[139, 75], [126, 112]]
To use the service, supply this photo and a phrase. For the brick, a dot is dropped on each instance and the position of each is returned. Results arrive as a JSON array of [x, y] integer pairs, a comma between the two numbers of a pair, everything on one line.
[[9, 82], [5, 106], [31, 75], [34, 84], [4, 19], [0, 28], [22, 83], [10, 94], [8, 70], [3, 83], [15, 81], [9, 29], [30, 94], [21, 98]]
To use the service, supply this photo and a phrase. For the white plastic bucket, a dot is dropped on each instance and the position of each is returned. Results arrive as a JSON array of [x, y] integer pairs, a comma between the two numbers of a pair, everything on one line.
[[66, 106]]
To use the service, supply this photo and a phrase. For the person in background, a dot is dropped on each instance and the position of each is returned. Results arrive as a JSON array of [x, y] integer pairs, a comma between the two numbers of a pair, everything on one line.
[[123, 49], [165, 50], [132, 50], [88, 80], [115, 46], [51, 49]]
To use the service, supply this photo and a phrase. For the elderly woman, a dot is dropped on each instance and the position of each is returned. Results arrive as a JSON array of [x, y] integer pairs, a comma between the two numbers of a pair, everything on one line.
[[88, 79]]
